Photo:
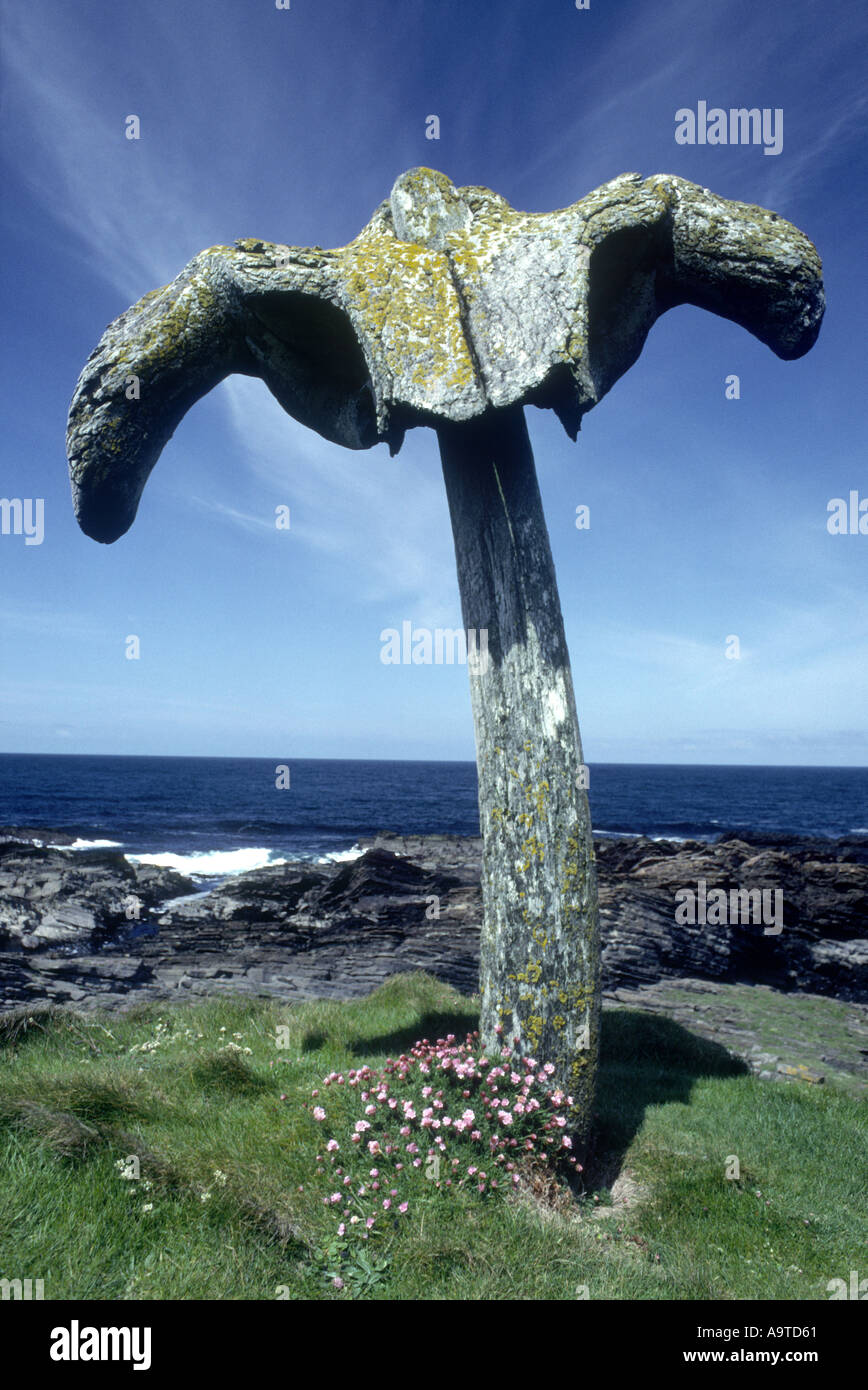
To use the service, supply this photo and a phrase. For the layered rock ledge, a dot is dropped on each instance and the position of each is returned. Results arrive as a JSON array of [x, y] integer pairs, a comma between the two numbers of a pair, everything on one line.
[[69, 931]]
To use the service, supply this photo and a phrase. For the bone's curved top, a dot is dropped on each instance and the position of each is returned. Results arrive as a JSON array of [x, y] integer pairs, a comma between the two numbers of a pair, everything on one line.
[[449, 303]]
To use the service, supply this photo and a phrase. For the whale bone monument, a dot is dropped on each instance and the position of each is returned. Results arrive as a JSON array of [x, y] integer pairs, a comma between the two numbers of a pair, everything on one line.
[[454, 310]]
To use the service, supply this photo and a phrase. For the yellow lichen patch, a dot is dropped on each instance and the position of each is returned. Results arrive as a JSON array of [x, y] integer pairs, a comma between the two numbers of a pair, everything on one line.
[[152, 294], [533, 848], [161, 332], [406, 312], [577, 998]]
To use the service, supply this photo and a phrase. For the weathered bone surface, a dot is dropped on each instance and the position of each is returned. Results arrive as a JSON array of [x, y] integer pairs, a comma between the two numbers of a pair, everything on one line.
[[449, 303], [454, 310]]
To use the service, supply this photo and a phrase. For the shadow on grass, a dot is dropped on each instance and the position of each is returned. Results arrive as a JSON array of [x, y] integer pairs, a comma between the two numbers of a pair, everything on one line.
[[431, 1025], [644, 1060]]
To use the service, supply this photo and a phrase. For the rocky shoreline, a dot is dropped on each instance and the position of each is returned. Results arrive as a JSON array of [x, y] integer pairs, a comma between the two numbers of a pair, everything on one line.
[[88, 928]]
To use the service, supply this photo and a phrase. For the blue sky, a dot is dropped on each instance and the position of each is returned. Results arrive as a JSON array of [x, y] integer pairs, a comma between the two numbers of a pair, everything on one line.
[[708, 516]]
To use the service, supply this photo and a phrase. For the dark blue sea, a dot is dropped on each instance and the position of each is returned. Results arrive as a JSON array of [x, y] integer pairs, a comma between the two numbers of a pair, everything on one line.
[[224, 815]]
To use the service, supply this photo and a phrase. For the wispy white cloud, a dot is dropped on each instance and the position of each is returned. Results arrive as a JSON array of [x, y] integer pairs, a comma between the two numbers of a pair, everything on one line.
[[387, 517], [247, 521], [42, 621], [838, 117], [57, 97]]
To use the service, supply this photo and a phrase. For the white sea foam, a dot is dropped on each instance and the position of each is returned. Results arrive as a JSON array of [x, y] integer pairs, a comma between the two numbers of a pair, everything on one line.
[[87, 844], [641, 835], [341, 856], [214, 863]]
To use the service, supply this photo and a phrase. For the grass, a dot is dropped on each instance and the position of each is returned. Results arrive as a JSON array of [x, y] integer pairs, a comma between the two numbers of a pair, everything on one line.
[[826, 1036], [193, 1092]]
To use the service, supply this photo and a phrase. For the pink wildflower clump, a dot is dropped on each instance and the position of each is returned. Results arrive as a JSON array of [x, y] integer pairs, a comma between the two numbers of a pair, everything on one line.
[[442, 1116]]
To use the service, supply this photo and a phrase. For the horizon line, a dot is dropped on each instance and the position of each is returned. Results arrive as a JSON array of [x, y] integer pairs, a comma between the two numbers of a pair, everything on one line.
[[259, 757]]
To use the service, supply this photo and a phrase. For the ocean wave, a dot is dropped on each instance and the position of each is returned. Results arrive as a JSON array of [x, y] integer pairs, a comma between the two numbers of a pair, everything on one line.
[[227, 863], [278, 829], [86, 844], [678, 830], [341, 856], [214, 863], [646, 835], [639, 835]]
